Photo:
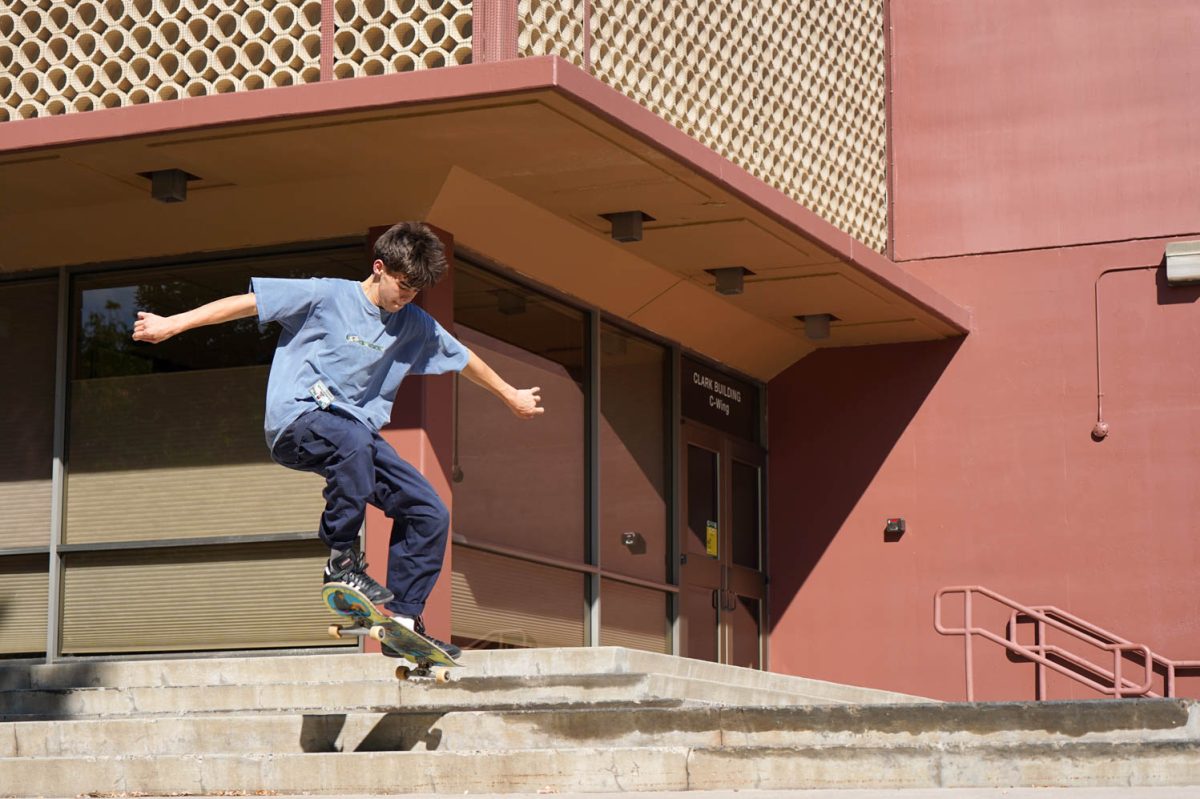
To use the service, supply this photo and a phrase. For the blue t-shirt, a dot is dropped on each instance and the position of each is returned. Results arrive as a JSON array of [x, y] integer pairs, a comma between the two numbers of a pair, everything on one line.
[[333, 334]]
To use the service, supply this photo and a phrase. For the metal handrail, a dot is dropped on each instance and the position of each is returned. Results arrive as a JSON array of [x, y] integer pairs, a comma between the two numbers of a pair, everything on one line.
[[1120, 685], [1169, 666]]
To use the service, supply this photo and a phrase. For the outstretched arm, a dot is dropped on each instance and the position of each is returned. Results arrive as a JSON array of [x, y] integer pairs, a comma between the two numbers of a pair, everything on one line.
[[522, 402], [154, 328]]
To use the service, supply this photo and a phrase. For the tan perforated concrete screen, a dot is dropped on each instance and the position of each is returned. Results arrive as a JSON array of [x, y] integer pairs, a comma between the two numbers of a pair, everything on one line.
[[24, 594], [78, 55], [793, 91], [232, 597], [377, 37]]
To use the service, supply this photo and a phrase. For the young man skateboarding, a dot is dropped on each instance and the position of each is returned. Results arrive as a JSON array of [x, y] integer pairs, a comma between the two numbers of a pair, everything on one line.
[[344, 348]]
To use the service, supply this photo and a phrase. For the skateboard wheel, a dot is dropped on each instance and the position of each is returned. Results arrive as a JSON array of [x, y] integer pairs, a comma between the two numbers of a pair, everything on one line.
[[402, 673], [441, 675], [377, 632], [335, 631]]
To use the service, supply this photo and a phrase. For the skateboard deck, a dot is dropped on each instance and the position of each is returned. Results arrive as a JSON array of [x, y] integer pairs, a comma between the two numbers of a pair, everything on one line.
[[366, 620]]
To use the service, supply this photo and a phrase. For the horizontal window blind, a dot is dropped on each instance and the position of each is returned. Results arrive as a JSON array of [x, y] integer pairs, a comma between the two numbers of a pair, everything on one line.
[[24, 597], [25, 516], [633, 617], [254, 595], [503, 602], [179, 455]]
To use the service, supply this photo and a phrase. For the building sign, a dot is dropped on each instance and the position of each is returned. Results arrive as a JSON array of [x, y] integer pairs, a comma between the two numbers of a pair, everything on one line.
[[718, 400]]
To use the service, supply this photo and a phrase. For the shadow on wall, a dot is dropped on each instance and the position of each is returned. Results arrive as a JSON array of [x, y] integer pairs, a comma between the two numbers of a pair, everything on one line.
[[834, 417]]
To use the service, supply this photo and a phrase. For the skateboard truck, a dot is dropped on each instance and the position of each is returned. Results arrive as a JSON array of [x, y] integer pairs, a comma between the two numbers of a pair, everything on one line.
[[439, 674]]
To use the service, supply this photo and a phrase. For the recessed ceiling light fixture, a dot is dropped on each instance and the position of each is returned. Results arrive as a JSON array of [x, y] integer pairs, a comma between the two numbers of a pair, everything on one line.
[[729, 278], [168, 185], [816, 325], [627, 225]]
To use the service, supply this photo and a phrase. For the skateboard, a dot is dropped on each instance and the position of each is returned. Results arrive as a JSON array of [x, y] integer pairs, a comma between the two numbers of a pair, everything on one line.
[[366, 620]]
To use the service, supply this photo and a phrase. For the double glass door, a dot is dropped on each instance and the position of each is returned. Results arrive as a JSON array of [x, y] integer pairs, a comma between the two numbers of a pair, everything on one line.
[[723, 587]]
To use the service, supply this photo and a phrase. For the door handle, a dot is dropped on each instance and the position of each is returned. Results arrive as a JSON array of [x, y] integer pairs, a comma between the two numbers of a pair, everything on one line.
[[724, 600]]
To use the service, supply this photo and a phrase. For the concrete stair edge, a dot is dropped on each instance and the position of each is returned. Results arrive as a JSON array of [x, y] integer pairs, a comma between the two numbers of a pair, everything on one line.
[[586, 727], [351, 665], [592, 769]]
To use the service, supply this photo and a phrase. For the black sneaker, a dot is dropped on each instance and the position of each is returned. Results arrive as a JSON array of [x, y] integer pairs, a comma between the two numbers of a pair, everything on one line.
[[350, 567], [449, 649], [419, 628]]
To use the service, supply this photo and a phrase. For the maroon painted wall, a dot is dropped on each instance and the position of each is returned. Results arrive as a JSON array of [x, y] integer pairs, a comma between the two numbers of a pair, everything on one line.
[[1024, 123], [984, 446], [1036, 145]]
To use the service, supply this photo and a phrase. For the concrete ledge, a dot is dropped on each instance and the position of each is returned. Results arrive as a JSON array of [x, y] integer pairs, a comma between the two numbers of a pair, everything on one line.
[[590, 769], [351, 667], [629, 725], [1030, 765]]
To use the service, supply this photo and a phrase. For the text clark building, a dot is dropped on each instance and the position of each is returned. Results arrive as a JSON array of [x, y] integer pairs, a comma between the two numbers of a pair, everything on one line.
[[833, 305]]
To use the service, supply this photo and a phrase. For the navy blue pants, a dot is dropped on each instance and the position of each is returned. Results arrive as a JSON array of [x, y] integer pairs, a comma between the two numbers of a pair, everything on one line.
[[359, 467]]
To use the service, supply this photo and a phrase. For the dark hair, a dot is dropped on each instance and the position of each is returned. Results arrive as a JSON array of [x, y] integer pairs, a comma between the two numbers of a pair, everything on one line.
[[413, 252]]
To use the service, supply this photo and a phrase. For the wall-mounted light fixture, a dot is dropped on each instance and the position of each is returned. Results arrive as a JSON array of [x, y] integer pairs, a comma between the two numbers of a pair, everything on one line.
[[634, 542], [1183, 262], [168, 185], [816, 325], [627, 225], [729, 278]]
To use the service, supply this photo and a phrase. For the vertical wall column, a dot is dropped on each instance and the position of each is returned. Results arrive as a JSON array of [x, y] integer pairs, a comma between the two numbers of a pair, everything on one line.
[[422, 433], [495, 30]]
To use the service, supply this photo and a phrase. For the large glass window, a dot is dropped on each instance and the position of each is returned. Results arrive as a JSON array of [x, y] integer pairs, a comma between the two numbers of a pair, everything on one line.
[[165, 446], [165, 441], [28, 341], [521, 483], [633, 456]]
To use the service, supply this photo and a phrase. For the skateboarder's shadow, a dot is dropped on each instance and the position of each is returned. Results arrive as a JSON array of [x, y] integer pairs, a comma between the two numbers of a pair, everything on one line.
[[370, 732]]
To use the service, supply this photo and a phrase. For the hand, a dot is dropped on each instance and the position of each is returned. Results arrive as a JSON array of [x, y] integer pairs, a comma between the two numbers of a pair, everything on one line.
[[152, 328], [524, 403]]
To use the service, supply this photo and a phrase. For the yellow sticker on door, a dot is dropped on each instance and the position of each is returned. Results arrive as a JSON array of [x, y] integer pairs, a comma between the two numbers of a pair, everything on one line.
[[710, 539]]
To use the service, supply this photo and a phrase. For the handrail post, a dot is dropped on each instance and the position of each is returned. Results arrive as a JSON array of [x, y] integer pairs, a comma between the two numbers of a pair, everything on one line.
[[968, 639], [1118, 688], [1040, 632]]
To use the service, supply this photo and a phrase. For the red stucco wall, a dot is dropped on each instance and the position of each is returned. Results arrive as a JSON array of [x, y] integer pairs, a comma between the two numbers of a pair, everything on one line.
[[1035, 145], [984, 446], [1021, 123]]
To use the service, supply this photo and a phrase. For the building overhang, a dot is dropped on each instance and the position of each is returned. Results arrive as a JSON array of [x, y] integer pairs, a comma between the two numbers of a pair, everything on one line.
[[519, 160]]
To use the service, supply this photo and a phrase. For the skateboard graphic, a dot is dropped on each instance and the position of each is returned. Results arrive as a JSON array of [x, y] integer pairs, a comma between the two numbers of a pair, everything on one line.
[[365, 620]]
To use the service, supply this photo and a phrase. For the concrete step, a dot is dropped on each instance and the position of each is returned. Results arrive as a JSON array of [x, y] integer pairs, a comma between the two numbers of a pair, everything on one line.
[[497, 693], [353, 682], [611, 769], [649, 724], [354, 667]]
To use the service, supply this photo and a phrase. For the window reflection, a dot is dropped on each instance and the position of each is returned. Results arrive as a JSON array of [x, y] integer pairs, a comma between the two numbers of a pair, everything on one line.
[[28, 340], [633, 458], [156, 432], [522, 482]]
